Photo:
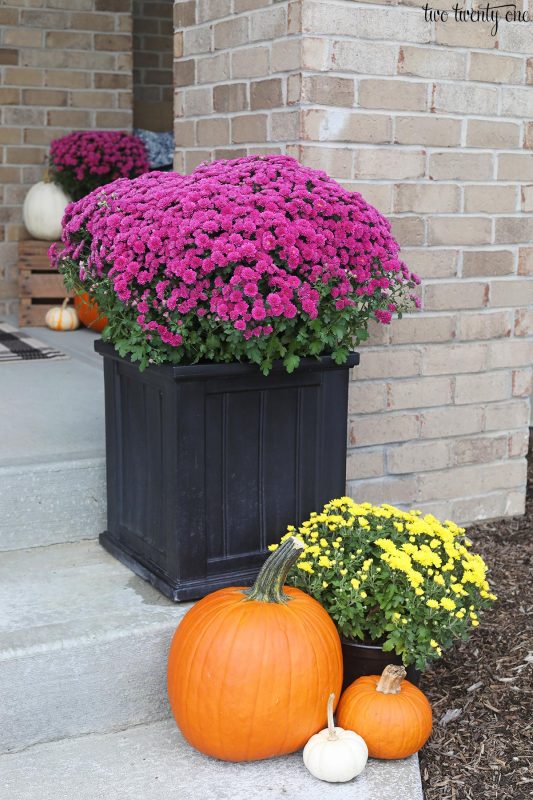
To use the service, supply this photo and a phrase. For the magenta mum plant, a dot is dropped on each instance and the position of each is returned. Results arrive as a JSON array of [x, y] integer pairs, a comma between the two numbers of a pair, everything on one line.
[[254, 259], [84, 160]]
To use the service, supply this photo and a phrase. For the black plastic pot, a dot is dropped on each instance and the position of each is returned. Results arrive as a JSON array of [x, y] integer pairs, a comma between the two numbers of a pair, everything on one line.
[[360, 658], [208, 464]]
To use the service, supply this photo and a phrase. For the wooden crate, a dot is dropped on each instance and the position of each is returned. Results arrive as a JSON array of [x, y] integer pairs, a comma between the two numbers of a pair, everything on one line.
[[40, 285]]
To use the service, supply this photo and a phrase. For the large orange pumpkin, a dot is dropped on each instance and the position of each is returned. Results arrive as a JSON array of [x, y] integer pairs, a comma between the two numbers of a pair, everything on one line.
[[393, 716], [89, 313], [250, 670]]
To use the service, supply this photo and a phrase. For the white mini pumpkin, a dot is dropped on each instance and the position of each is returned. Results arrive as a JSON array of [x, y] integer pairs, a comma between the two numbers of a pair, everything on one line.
[[62, 318], [43, 210], [334, 754]]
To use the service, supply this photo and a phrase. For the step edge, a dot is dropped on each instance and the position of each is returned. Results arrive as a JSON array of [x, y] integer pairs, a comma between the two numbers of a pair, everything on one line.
[[61, 462], [12, 654]]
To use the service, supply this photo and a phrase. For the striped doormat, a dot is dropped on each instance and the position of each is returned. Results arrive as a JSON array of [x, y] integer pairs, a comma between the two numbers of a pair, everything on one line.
[[18, 346]]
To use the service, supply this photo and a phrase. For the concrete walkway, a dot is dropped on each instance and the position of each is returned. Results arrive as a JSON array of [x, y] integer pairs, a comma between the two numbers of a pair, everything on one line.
[[153, 762]]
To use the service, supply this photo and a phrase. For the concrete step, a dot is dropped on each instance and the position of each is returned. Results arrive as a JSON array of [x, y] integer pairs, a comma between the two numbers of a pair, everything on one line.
[[83, 645], [52, 449], [154, 762], [50, 502]]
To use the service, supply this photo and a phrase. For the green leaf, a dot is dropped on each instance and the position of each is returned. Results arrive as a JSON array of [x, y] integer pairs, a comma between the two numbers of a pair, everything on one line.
[[340, 355], [338, 330], [291, 361]]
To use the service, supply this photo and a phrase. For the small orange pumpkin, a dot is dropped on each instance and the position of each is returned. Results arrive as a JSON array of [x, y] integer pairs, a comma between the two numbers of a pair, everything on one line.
[[250, 670], [393, 716], [89, 313]]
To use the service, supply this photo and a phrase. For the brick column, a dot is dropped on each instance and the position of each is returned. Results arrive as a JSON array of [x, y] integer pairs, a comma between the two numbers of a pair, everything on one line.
[[236, 78], [63, 66], [433, 124]]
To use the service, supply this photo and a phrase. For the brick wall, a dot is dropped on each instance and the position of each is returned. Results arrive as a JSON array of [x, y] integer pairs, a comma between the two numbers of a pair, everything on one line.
[[434, 125], [64, 65], [153, 84]]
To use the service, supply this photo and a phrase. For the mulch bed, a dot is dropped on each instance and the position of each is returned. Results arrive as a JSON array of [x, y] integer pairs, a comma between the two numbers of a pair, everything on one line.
[[481, 691]]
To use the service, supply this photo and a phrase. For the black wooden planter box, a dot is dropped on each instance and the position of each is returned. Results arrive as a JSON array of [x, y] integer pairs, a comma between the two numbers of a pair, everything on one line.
[[208, 464]]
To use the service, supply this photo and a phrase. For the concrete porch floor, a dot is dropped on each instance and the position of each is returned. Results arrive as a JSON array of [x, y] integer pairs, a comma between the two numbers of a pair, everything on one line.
[[51, 409]]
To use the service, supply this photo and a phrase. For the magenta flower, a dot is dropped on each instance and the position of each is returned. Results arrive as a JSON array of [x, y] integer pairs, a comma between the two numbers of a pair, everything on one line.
[[250, 258], [84, 160]]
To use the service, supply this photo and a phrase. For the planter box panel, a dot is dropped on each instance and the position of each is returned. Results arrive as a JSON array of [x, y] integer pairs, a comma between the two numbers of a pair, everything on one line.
[[256, 491], [207, 466], [290, 461], [141, 422]]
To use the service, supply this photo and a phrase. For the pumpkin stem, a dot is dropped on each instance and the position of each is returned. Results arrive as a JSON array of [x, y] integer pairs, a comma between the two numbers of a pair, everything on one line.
[[268, 586], [332, 735], [65, 302], [391, 679]]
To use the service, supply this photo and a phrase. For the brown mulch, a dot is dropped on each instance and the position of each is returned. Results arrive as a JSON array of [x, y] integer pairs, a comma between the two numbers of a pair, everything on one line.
[[481, 691]]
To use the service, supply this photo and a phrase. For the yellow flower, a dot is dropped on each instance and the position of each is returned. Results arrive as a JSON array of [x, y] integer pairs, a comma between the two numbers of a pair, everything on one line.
[[305, 566], [448, 604], [335, 545], [475, 623], [273, 547], [290, 528], [399, 526], [419, 591], [363, 522], [433, 643], [324, 561], [364, 596], [323, 543], [355, 583], [396, 616], [432, 603], [325, 584], [343, 572]]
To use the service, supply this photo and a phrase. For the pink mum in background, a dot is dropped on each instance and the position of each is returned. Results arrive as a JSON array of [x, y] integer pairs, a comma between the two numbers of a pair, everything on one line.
[[256, 248], [84, 160]]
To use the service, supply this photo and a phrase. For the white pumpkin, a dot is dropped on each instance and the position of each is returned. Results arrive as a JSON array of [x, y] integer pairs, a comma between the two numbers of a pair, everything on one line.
[[335, 755], [43, 210], [62, 318]]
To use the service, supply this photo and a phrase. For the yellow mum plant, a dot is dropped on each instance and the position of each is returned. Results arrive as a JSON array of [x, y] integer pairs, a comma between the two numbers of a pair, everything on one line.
[[406, 580]]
